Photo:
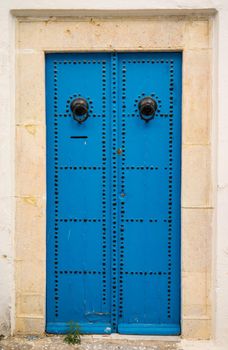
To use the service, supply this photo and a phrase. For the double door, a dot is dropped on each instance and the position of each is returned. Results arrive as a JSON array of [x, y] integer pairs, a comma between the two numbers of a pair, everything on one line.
[[113, 192]]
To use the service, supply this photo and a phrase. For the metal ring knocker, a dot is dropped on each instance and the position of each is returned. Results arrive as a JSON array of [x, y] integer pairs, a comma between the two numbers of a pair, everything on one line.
[[80, 109], [147, 108]]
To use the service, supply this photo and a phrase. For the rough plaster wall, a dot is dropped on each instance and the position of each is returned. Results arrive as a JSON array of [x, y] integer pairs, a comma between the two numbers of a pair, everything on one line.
[[7, 148], [6, 174], [221, 238]]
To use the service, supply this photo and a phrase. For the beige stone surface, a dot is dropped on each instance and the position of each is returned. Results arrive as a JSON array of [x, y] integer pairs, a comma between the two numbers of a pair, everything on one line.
[[196, 329], [34, 38], [30, 160], [119, 33], [93, 342], [30, 295], [196, 122], [30, 325], [196, 240], [30, 304], [30, 229], [30, 84], [30, 255], [196, 176], [196, 270], [195, 293], [197, 34], [30, 276]]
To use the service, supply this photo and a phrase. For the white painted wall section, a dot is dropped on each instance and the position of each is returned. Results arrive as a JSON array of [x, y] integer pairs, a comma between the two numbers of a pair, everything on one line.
[[8, 8]]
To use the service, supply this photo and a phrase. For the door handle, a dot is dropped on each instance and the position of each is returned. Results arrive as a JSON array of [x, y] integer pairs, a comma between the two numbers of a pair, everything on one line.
[[80, 109], [147, 108]]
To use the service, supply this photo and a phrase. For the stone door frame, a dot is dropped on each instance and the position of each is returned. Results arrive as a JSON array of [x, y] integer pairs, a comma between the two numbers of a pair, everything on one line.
[[189, 34]]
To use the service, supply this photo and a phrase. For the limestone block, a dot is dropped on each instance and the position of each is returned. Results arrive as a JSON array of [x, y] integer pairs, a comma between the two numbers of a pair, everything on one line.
[[196, 329], [119, 33], [30, 87], [196, 240], [196, 96], [197, 34], [30, 160], [30, 325], [30, 304], [30, 229], [195, 294], [30, 276], [196, 176]]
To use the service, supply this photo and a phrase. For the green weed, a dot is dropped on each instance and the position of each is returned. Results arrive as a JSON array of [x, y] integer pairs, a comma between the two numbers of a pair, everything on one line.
[[73, 334]]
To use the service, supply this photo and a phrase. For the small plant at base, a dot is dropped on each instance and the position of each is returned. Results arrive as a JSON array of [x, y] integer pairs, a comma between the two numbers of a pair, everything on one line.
[[73, 335]]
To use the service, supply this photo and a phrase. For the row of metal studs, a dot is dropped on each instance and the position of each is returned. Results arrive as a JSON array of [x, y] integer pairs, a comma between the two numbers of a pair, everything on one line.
[[104, 186], [142, 167], [56, 193], [145, 273], [122, 189], [85, 220], [148, 61], [69, 115], [114, 291], [143, 220], [171, 87], [81, 168], [79, 220], [136, 115], [80, 62], [83, 272], [103, 168], [86, 272]]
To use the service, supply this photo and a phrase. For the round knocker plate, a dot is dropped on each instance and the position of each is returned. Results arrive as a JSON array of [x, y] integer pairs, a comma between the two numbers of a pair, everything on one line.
[[80, 109], [147, 108]]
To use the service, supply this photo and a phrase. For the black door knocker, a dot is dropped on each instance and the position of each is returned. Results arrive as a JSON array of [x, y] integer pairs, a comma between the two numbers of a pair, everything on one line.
[[80, 109], [147, 108]]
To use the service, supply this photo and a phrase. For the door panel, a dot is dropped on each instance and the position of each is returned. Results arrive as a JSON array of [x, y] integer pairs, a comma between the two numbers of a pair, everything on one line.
[[113, 194], [149, 200], [78, 194], [140, 245], [149, 281]]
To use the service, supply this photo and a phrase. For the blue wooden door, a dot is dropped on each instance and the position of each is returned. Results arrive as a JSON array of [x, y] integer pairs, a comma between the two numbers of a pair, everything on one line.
[[113, 193]]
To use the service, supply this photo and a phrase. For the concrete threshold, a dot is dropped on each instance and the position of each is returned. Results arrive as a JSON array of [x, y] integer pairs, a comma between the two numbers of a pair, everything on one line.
[[104, 342]]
